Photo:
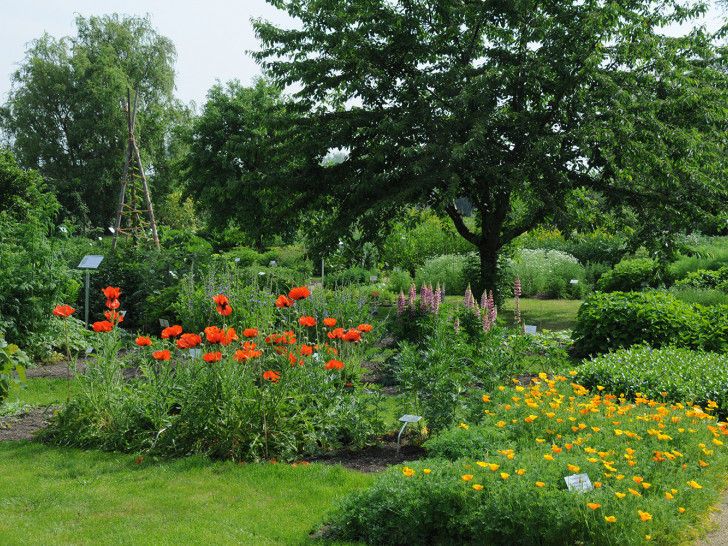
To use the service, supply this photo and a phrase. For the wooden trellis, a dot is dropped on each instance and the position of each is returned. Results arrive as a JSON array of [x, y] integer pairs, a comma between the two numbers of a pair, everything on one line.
[[135, 212]]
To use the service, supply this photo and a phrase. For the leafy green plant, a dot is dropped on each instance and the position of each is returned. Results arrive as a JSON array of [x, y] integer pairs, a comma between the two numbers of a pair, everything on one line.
[[447, 271], [705, 279], [12, 361], [632, 275], [399, 281], [352, 276], [547, 272]]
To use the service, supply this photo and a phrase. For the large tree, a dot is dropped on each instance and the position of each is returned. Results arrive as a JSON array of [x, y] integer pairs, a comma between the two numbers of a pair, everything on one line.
[[64, 116], [232, 149], [513, 105]]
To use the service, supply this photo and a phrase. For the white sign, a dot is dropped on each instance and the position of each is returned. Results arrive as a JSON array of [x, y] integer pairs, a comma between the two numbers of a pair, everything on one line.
[[164, 323], [90, 261], [410, 418], [528, 329], [574, 281], [579, 483], [373, 278], [89, 350], [194, 353]]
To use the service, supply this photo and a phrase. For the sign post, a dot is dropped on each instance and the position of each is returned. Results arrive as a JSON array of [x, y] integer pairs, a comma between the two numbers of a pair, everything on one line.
[[90, 261]]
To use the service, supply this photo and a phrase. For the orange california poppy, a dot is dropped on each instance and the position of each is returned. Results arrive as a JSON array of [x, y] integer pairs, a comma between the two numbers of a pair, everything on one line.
[[330, 322], [300, 293], [142, 341], [162, 355], [103, 326], [284, 301], [334, 365], [307, 321], [63, 311]]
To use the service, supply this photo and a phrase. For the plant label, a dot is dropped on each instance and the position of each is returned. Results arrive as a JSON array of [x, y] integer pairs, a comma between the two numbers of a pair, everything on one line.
[[574, 281], [579, 483], [164, 323], [89, 350], [90, 261], [373, 278], [528, 329], [194, 353], [410, 418]]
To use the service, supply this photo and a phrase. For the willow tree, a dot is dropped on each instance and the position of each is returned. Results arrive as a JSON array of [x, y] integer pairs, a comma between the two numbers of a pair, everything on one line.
[[514, 105]]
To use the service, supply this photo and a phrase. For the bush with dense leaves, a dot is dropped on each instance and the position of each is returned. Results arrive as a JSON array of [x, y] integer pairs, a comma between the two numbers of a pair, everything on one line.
[[353, 276], [621, 319], [447, 271], [632, 275], [705, 279], [547, 272]]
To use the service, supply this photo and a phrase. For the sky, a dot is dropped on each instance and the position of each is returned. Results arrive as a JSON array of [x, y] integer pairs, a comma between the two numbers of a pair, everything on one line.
[[211, 36]]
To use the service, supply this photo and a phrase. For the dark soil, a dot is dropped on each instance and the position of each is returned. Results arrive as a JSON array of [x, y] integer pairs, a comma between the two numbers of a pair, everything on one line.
[[25, 426]]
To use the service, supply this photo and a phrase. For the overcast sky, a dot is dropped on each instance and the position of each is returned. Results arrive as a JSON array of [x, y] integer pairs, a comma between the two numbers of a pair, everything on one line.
[[211, 36]]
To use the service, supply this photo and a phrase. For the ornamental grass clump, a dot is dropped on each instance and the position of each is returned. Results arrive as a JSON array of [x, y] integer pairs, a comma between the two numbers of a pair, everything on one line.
[[240, 392], [655, 467]]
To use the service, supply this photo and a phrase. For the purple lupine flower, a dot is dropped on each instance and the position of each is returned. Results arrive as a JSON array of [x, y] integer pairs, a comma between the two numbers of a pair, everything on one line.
[[492, 311], [436, 299], [476, 310], [517, 287], [468, 296], [423, 298], [484, 299], [401, 304], [516, 306], [412, 298], [486, 320], [456, 325]]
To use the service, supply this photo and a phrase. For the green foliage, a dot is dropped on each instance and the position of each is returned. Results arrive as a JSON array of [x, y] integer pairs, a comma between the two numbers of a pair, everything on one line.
[[447, 271], [242, 256], [12, 361], [632, 275], [399, 281], [353, 276], [620, 320], [705, 279], [64, 118], [701, 253], [547, 272], [595, 246], [670, 373], [704, 297]]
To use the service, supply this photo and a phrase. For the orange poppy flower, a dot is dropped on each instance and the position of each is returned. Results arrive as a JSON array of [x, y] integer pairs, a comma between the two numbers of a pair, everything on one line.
[[273, 376], [305, 350], [188, 341], [330, 322], [644, 516], [171, 331], [593, 505], [364, 327], [300, 293], [221, 300], [112, 304], [63, 311], [212, 357], [284, 301], [467, 477], [352, 335], [307, 321], [142, 341], [250, 332], [103, 326], [336, 333], [162, 355], [111, 293], [113, 316], [334, 365]]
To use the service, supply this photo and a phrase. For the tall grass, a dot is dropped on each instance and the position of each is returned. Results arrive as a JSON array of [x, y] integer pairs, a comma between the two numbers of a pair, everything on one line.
[[711, 253]]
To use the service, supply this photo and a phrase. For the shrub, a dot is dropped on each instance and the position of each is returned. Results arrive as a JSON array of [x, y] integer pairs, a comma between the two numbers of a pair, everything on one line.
[[245, 256], [705, 279], [595, 246], [619, 320], [693, 296], [547, 272], [447, 271], [399, 281], [352, 276], [632, 275], [706, 253], [669, 373]]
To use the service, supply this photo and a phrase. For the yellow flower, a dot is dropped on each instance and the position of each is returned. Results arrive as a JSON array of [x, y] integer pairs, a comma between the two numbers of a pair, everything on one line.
[[504, 475], [486, 398], [540, 484], [501, 388], [477, 487], [481, 463], [530, 418], [620, 495], [636, 493], [468, 477], [644, 515], [573, 468], [717, 442], [493, 467], [694, 484], [407, 471], [593, 505], [463, 425], [572, 372], [610, 519], [646, 485], [637, 480], [548, 457], [500, 424], [597, 484], [427, 471], [702, 463], [648, 537], [668, 495], [520, 471], [540, 440], [600, 387], [681, 510], [620, 476], [591, 459]]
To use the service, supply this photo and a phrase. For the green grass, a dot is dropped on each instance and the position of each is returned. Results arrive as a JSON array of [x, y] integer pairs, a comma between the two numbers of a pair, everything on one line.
[[63, 496], [41, 391]]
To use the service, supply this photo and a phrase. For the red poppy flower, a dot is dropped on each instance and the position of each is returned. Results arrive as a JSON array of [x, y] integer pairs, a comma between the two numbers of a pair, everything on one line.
[[111, 293], [223, 337], [171, 331], [273, 376], [307, 321], [113, 316], [364, 327], [221, 300], [212, 357], [112, 304], [139, 460], [283, 301], [142, 341], [300, 293], [334, 365], [352, 335], [250, 332], [63, 311], [103, 326], [224, 310], [330, 322], [305, 350], [162, 355], [337, 333], [188, 341]]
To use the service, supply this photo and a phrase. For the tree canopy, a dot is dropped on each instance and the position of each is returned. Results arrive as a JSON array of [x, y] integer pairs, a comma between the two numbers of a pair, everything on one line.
[[232, 151], [514, 105], [64, 116]]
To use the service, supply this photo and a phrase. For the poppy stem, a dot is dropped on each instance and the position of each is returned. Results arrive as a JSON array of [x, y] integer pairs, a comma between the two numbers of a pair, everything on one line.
[[262, 405], [68, 364]]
